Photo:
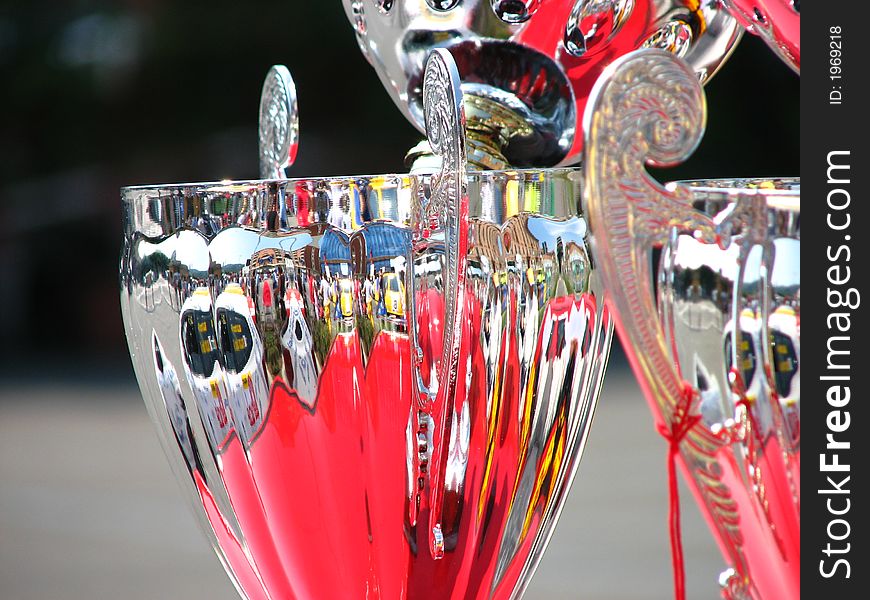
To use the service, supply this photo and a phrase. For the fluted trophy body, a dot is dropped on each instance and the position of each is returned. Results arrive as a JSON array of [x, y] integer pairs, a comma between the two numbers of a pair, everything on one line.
[[370, 387]]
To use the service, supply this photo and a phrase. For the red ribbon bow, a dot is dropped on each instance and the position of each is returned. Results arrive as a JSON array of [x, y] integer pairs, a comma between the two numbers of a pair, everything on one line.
[[681, 422]]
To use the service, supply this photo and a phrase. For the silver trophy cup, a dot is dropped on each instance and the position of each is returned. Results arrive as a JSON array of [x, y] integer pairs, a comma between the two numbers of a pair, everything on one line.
[[372, 386]]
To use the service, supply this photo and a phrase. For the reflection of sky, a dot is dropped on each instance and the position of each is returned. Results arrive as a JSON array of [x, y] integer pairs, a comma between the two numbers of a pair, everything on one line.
[[166, 247], [238, 244], [191, 250], [786, 272], [693, 254], [234, 243], [547, 230], [291, 242], [787, 264]]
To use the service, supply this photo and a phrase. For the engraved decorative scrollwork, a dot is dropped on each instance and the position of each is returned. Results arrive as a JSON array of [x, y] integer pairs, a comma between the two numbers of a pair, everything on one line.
[[445, 131], [648, 107], [733, 587], [440, 231]]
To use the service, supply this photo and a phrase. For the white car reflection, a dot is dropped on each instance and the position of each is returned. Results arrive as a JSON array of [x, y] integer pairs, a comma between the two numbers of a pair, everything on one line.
[[202, 367], [749, 364], [786, 349], [297, 339], [242, 351]]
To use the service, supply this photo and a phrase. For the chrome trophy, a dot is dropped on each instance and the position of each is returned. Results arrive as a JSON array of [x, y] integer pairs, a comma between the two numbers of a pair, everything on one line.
[[703, 279], [527, 66], [369, 386]]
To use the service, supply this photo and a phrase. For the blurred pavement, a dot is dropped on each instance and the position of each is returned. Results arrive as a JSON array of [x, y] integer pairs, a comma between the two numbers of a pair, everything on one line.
[[89, 509]]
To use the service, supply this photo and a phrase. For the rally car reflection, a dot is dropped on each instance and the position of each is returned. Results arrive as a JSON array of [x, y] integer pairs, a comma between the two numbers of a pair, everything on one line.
[[394, 295], [344, 306], [202, 367], [785, 351], [749, 365], [746, 352], [786, 345], [242, 352], [298, 341]]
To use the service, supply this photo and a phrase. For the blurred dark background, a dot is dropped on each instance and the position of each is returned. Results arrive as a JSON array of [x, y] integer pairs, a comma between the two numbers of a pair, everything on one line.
[[97, 95]]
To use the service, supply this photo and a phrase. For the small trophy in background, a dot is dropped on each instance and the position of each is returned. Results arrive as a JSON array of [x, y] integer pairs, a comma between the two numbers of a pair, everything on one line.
[[703, 279]]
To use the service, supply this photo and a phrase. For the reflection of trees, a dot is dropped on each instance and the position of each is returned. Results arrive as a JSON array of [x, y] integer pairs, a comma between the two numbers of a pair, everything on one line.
[[366, 331], [321, 339], [787, 293], [274, 357], [156, 262]]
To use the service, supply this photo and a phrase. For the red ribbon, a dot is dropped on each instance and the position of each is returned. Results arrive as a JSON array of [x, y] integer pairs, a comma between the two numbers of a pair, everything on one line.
[[680, 424]]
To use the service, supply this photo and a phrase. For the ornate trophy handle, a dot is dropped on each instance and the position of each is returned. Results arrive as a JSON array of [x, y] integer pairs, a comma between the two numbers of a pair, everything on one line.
[[646, 107], [440, 238]]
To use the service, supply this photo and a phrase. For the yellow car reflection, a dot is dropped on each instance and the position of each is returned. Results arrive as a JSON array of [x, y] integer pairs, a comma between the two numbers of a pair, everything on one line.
[[394, 295], [345, 295]]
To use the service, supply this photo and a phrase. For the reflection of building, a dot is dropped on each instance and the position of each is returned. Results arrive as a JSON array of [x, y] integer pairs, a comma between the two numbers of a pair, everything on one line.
[[519, 240], [335, 253], [379, 246], [485, 240], [268, 257]]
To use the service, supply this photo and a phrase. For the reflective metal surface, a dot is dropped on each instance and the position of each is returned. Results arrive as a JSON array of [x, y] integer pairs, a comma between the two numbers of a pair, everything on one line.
[[372, 386], [527, 67], [278, 123], [778, 22], [713, 329]]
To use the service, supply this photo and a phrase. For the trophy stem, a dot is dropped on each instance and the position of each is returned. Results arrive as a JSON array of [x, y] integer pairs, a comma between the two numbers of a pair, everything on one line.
[[490, 125]]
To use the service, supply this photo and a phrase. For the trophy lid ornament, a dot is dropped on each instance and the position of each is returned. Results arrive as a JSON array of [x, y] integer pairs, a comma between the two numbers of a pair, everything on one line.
[[527, 67], [278, 124]]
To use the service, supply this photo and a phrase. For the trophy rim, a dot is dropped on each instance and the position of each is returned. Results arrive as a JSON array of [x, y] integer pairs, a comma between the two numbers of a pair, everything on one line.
[[229, 185], [782, 193]]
